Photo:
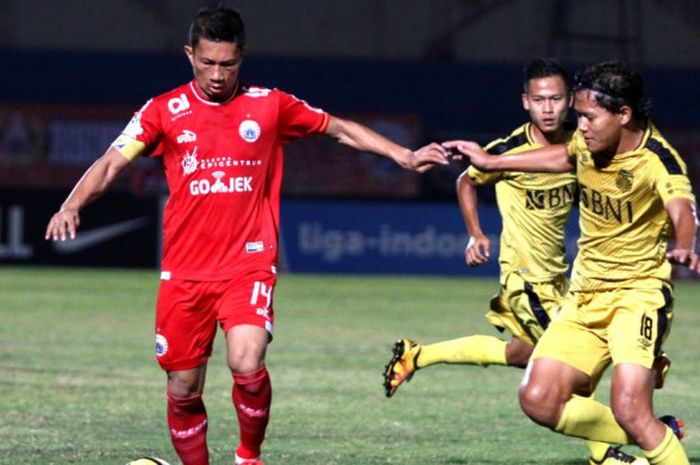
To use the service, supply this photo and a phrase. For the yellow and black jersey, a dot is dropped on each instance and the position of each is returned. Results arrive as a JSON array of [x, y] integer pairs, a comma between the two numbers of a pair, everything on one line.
[[534, 208], [624, 224]]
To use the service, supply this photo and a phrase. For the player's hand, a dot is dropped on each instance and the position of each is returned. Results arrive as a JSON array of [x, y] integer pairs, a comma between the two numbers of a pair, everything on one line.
[[427, 157], [477, 251], [471, 150], [685, 257], [63, 224]]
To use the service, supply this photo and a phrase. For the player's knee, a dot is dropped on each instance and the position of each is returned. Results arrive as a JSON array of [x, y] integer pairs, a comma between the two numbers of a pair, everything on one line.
[[539, 402], [246, 348], [244, 366], [630, 416], [244, 362], [183, 385]]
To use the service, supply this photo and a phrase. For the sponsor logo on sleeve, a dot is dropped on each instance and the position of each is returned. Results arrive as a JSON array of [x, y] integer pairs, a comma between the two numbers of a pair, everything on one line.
[[134, 128]]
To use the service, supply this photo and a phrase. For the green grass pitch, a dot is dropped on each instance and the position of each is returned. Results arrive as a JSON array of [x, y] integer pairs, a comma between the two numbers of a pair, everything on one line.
[[79, 382]]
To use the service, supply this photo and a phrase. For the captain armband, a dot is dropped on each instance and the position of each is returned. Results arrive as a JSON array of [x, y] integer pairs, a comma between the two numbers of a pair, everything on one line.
[[130, 148]]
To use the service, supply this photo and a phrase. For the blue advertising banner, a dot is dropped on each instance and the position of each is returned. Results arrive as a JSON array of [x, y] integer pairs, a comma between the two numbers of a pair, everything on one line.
[[361, 237], [389, 237]]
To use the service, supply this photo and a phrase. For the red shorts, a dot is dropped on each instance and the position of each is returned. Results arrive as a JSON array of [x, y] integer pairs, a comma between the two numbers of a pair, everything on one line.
[[187, 313]]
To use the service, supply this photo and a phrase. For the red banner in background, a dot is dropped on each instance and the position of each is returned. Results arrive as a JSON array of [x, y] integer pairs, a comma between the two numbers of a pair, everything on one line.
[[50, 146], [320, 167]]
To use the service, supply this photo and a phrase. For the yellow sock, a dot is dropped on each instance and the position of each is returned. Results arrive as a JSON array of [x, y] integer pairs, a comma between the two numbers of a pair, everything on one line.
[[669, 452], [471, 350], [597, 450], [586, 418]]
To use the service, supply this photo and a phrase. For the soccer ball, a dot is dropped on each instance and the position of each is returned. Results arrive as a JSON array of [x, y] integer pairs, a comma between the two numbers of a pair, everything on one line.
[[148, 461]]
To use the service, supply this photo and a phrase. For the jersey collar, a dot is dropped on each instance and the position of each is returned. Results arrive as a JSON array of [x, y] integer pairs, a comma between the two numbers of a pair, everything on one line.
[[528, 134], [647, 134], [195, 91]]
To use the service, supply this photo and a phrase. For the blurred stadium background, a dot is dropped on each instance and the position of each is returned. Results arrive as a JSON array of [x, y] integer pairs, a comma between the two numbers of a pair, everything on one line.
[[75, 70]]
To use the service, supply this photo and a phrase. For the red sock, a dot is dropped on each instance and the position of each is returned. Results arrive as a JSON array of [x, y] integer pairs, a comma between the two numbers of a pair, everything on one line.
[[187, 419], [252, 395]]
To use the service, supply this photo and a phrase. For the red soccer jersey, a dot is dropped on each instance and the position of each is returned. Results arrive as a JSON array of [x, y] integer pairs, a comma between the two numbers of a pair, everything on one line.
[[223, 165]]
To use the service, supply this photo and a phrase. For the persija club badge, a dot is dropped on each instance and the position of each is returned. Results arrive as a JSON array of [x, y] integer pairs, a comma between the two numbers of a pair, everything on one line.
[[161, 345], [249, 130]]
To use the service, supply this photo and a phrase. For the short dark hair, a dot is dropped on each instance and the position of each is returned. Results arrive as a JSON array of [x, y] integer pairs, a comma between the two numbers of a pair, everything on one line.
[[219, 24], [542, 68], [615, 85]]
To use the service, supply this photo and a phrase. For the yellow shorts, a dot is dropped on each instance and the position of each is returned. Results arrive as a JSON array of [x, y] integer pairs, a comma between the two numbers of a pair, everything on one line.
[[595, 328], [525, 309]]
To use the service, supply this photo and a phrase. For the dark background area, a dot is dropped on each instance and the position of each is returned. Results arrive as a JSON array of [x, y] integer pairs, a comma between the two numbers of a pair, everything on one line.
[[74, 71]]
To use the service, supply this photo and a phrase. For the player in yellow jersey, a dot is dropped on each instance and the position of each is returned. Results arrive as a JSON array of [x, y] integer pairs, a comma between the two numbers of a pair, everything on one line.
[[534, 210], [634, 195]]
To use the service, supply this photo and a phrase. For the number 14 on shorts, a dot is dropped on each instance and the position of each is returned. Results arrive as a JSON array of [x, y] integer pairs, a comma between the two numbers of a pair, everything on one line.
[[261, 290]]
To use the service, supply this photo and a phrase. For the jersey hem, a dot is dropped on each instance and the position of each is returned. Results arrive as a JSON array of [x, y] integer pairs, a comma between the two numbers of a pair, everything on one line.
[[175, 275]]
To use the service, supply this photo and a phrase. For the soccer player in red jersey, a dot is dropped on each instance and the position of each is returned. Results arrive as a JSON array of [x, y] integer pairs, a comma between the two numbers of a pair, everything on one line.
[[221, 143]]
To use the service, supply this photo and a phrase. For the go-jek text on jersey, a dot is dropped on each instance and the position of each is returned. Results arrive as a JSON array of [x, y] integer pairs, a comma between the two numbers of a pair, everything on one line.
[[223, 164]]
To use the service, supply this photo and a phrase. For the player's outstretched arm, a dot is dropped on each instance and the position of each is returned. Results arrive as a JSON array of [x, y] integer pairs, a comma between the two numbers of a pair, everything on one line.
[[91, 185], [362, 138], [479, 246], [553, 158], [684, 218]]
